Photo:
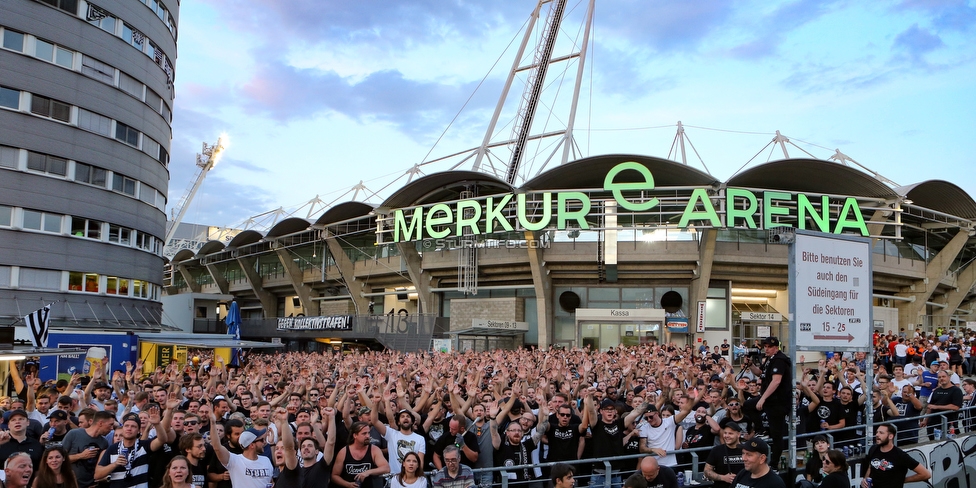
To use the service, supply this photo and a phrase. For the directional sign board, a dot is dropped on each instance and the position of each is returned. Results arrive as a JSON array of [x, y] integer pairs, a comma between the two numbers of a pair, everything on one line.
[[830, 292]]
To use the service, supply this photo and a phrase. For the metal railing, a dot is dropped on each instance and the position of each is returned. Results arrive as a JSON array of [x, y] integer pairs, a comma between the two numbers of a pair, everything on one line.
[[858, 446]]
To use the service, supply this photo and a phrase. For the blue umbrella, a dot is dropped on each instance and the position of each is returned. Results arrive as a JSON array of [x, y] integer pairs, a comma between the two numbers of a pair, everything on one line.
[[233, 321]]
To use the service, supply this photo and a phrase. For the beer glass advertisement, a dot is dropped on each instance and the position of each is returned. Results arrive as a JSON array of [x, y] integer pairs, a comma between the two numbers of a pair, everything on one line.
[[97, 356]]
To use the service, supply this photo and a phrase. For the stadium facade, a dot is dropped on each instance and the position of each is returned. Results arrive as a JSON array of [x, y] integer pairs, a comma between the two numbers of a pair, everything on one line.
[[601, 251], [86, 99]]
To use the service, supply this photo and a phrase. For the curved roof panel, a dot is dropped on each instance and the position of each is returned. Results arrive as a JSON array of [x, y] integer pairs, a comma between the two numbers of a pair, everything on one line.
[[287, 226], [244, 238], [590, 172], [344, 211], [941, 196], [445, 186], [814, 176], [183, 255], [210, 247]]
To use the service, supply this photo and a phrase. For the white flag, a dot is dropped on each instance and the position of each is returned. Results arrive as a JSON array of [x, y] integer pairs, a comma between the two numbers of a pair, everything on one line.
[[37, 322]]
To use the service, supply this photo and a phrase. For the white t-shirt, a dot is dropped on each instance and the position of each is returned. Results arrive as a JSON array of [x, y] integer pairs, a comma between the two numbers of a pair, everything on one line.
[[400, 444], [662, 437], [245, 473], [901, 350], [420, 482]]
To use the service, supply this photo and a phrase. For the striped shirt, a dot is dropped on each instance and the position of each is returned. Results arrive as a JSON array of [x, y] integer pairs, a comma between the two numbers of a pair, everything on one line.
[[135, 472]]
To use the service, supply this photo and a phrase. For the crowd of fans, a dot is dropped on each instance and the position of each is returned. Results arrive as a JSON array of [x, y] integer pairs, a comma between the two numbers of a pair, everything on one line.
[[438, 420]]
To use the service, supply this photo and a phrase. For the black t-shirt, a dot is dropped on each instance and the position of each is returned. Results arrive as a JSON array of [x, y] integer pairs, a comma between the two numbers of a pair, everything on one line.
[[318, 475], [198, 474], [724, 461], [289, 477], [836, 480], [608, 441], [725, 349], [778, 364], [699, 436], [769, 480], [516, 455], [888, 468], [853, 414], [830, 411], [563, 442], [447, 439], [665, 479], [946, 396]]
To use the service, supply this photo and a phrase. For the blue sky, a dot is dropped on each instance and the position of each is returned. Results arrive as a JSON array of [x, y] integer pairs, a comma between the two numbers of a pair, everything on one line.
[[318, 95]]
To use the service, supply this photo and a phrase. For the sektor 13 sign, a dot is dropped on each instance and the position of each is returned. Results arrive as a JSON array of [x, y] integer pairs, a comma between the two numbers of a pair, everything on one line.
[[741, 208]]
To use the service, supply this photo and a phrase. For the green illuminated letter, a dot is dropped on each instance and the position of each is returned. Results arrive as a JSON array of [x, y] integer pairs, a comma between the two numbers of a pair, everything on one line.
[[746, 214], [471, 220], [803, 206], [546, 212], [850, 216], [769, 210], [493, 213], [578, 215], [690, 213], [433, 220], [617, 188], [416, 223]]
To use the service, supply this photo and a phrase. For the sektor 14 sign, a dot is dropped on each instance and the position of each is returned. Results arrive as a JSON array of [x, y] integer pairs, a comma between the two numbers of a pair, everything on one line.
[[830, 290]]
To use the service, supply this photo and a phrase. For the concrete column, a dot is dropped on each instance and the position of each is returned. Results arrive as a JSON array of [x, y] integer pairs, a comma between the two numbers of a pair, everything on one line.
[[964, 282], [348, 274], [269, 303], [188, 277], [219, 279], [909, 312], [543, 288], [296, 276], [419, 277], [699, 284]]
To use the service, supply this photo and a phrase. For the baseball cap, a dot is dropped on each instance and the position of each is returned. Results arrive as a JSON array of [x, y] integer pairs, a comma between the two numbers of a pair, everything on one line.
[[934, 363], [771, 341], [11, 414], [606, 403], [651, 408], [756, 445], [101, 384], [715, 377], [58, 415], [133, 417], [364, 409], [251, 435]]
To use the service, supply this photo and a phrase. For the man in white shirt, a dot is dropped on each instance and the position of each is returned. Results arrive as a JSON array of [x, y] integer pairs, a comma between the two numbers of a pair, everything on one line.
[[247, 470]]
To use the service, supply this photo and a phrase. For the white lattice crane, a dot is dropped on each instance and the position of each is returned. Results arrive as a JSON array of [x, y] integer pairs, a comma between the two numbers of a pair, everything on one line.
[[207, 159]]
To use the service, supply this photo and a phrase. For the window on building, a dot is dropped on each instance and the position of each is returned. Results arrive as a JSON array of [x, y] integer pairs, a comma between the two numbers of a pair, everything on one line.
[[160, 200], [9, 98], [53, 53], [153, 100], [47, 107], [82, 227], [163, 156], [147, 194], [132, 36], [13, 40], [123, 184], [5, 276], [129, 85], [98, 70], [96, 123], [140, 289], [47, 164], [40, 279], [92, 175], [70, 6], [6, 216], [87, 282], [167, 114], [150, 147], [9, 156], [126, 134], [119, 234], [42, 221], [101, 19]]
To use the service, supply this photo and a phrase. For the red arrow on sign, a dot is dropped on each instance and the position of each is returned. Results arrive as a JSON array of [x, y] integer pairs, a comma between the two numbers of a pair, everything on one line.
[[840, 337]]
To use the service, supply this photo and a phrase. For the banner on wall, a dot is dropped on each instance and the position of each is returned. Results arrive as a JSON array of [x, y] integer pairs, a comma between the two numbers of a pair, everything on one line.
[[677, 325]]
